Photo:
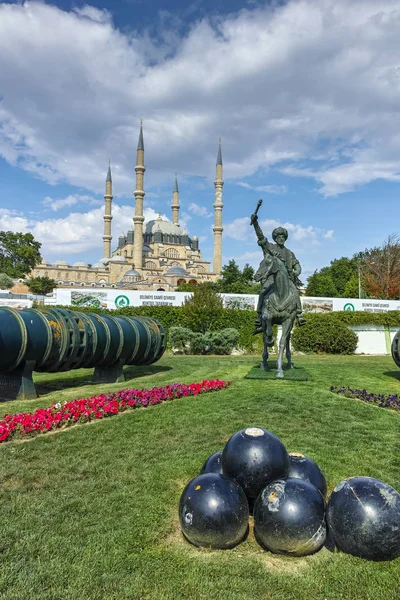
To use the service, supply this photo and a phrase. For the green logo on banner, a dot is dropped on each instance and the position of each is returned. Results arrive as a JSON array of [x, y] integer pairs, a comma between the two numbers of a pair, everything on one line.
[[122, 301], [348, 306]]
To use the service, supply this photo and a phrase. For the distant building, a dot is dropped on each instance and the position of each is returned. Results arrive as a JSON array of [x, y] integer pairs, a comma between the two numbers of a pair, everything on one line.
[[161, 256]]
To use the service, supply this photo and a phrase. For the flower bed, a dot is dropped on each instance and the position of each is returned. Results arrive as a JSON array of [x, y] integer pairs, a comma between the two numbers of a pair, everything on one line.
[[59, 416], [389, 401]]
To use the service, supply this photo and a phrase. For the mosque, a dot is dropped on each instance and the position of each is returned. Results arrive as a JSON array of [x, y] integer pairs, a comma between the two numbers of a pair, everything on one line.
[[159, 256]]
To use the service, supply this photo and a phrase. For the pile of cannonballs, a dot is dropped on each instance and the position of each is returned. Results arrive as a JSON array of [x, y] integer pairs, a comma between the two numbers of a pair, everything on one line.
[[254, 474]]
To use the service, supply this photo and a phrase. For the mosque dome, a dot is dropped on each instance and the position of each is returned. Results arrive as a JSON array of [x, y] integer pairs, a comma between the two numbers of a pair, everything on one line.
[[61, 263], [177, 271], [80, 264], [165, 227], [98, 265], [132, 273], [45, 262], [118, 259]]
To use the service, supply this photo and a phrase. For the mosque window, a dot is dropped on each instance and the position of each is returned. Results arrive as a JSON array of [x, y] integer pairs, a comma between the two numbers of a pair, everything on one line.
[[46, 273], [87, 276], [66, 275], [79, 275], [149, 264], [58, 274], [171, 253]]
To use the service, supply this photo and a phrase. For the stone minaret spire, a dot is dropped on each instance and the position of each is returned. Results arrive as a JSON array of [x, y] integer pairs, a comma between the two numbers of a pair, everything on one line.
[[139, 195], [108, 196], [175, 202], [217, 229]]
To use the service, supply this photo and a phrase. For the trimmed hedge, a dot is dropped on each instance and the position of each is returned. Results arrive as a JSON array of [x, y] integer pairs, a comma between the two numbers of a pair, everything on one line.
[[174, 316], [243, 320]]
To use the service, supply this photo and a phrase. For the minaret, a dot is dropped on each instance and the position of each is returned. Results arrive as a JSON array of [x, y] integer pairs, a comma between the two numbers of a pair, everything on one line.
[[139, 195], [217, 229], [175, 203], [108, 196]]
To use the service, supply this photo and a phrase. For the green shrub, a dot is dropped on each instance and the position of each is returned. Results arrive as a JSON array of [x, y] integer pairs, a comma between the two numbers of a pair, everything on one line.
[[324, 335], [198, 344], [180, 339], [223, 341], [203, 309], [5, 281]]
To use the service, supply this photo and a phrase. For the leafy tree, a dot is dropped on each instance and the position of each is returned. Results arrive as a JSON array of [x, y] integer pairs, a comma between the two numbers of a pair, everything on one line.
[[352, 288], [380, 267], [321, 284], [342, 270], [236, 281], [203, 309], [19, 253], [332, 281], [41, 285], [5, 281]]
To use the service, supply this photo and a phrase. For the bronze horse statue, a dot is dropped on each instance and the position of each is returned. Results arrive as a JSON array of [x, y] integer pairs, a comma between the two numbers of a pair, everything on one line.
[[278, 308]]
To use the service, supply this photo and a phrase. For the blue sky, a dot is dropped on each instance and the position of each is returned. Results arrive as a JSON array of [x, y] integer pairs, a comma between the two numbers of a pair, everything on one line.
[[305, 94]]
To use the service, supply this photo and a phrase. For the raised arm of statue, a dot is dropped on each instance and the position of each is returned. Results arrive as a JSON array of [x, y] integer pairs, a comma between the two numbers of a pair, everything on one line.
[[262, 240]]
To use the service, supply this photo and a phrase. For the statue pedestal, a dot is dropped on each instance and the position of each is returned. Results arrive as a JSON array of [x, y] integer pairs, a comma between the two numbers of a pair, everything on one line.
[[296, 374]]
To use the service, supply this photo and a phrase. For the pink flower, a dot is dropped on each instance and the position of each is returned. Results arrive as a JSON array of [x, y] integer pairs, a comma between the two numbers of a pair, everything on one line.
[[97, 407]]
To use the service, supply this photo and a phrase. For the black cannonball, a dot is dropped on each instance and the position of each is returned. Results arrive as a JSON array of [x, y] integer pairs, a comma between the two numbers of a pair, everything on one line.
[[289, 517], [302, 467], [213, 463], [213, 511], [254, 457], [363, 516]]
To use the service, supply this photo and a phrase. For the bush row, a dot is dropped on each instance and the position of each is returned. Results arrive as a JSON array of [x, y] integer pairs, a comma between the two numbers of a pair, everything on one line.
[[175, 316], [322, 333]]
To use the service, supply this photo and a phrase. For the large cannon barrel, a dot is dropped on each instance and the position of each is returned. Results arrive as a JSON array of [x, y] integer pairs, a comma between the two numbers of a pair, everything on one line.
[[55, 339]]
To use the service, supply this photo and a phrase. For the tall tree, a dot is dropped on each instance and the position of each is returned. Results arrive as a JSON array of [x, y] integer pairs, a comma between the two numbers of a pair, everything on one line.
[[236, 281], [19, 253], [332, 281], [321, 284]]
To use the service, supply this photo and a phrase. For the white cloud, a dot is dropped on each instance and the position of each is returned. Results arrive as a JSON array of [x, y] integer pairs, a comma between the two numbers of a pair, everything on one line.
[[329, 234], [302, 80], [270, 189], [70, 200], [76, 233], [299, 235], [199, 211]]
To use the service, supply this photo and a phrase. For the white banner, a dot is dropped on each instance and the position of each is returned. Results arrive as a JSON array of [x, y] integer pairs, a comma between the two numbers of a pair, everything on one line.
[[113, 298]]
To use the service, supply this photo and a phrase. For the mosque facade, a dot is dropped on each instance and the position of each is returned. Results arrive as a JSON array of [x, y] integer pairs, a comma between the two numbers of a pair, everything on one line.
[[157, 255]]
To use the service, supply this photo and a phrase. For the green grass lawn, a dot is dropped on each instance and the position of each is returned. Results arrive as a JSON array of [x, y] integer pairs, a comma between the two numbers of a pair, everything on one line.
[[91, 512]]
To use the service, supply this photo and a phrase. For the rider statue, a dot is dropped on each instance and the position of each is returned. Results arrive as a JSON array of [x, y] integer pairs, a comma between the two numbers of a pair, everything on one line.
[[279, 235]]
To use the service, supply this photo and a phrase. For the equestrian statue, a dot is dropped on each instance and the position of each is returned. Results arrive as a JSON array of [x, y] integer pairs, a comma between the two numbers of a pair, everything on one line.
[[279, 300]]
